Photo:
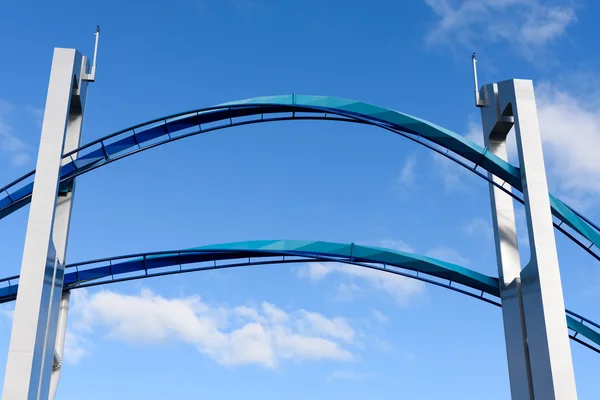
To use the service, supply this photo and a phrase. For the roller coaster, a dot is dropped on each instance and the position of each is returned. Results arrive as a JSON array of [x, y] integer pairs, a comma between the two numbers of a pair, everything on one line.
[[142, 137], [162, 131]]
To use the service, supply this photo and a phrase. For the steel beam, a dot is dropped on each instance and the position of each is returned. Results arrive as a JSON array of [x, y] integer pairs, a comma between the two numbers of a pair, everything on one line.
[[60, 234], [539, 295], [60, 343], [547, 333], [495, 130], [33, 337]]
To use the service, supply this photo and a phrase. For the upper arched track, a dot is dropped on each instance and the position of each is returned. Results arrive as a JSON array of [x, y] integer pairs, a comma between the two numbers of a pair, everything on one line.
[[264, 252], [298, 107]]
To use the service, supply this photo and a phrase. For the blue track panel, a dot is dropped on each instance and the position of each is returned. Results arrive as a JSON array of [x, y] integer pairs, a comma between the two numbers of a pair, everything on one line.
[[142, 266], [142, 136]]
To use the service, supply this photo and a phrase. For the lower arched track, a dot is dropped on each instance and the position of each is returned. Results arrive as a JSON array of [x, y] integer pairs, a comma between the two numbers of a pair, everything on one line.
[[253, 253]]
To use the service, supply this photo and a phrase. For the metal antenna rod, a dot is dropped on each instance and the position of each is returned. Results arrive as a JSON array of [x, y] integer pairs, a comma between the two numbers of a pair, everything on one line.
[[477, 99], [92, 75]]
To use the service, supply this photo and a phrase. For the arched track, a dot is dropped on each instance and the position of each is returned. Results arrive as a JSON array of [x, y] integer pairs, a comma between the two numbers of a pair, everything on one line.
[[229, 255], [279, 108]]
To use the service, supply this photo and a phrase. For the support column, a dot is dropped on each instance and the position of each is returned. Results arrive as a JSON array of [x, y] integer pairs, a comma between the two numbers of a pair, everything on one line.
[[495, 130], [33, 336], [60, 234], [547, 332], [60, 343], [533, 296]]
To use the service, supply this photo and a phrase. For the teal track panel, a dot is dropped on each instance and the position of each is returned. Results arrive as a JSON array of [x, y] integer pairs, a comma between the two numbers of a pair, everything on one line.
[[265, 252], [148, 135]]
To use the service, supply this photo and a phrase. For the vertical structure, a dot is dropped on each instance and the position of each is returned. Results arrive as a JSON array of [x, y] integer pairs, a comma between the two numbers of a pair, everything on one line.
[[537, 341], [40, 310], [495, 130]]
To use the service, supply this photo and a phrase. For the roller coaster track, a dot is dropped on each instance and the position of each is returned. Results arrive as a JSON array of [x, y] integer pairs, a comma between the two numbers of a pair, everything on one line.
[[265, 252], [164, 130]]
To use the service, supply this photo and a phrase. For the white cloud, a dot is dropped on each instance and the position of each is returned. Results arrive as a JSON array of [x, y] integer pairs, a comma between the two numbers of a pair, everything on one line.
[[383, 345], [474, 133], [570, 128], [347, 291], [525, 24], [405, 180], [398, 245], [337, 327], [406, 177], [8, 312], [20, 159], [479, 227], [315, 271], [264, 335], [454, 177], [380, 317], [37, 114], [447, 254], [76, 347], [402, 289], [9, 140], [546, 23]]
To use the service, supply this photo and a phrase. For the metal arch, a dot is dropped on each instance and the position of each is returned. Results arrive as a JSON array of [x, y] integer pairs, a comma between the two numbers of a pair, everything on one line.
[[252, 253], [280, 108]]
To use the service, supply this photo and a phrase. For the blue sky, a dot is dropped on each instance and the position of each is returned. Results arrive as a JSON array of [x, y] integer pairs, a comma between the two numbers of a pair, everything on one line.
[[342, 332]]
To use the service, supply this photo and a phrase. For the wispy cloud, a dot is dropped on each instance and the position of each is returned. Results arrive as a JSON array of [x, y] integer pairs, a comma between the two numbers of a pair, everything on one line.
[[454, 177], [7, 310], [77, 346], [406, 177], [479, 227], [400, 288], [407, 173], [346, 291], [264, 335], [10, 143], [395, 244], [570, 129], [380, 317], [475, 132], [37, 114], [528, 25], [448, 254]]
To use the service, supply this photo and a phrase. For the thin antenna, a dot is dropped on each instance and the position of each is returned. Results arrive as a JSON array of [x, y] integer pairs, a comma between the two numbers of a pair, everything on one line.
[[478, 102], [92, 75]]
